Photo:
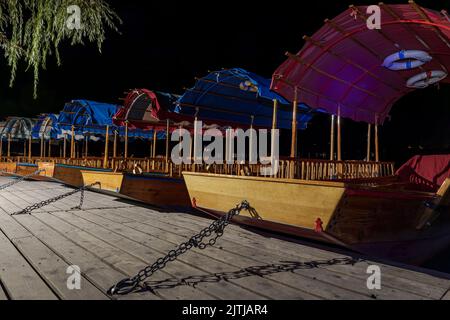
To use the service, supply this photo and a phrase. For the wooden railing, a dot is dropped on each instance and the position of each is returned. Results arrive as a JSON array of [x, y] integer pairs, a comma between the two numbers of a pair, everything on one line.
[[305, 169]]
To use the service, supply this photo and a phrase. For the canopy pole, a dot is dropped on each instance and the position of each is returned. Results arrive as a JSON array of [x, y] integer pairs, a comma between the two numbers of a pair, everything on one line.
[[369, 129], [29, 147], [339, 146], [105, 160], [196, 129], [250, 140], [9, 145], [294, 125], [1, 147], [154, 143], [50, 147], [24, 148], [167, 140], [274, 127], [333, 121], [72, 143], [86, 147], [65, 145], [115, 144], [377, 155], [126, 140], [42, 145]]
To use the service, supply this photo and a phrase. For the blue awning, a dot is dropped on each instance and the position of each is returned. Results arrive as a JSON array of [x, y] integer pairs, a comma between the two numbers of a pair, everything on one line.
[[234, 95], [45, 127], [90, 119]]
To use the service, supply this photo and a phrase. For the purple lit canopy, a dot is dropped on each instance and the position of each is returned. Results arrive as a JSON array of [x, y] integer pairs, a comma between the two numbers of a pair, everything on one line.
[[340, 68]]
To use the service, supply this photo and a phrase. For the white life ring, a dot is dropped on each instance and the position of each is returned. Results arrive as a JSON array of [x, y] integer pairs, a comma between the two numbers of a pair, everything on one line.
[[424, 79], [406, 59], [137, 169]]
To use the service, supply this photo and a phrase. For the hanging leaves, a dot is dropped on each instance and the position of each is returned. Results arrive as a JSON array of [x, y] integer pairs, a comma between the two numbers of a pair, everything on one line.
[[32, 30]]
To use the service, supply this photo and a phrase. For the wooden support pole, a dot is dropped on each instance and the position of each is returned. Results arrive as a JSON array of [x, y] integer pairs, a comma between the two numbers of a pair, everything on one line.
[[126, 140], [1, 147], [24, 148], [154, 143], [42, 145], [72, 143], [369, 130], [115, 144], [274, 127], [49, 147], [65, 145], [333, 121], [167, 140], [30, 144], [294, 125], [86, 147], [9, 145], [339, 146], [377, 154], [251, 159], [105, 160]]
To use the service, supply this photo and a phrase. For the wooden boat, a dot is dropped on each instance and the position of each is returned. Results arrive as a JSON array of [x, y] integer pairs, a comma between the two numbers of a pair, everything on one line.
[[380, 219], [19, 169], [157, 189]]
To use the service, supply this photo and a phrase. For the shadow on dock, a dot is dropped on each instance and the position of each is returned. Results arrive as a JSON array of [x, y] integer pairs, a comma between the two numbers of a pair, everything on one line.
[[260, 271]]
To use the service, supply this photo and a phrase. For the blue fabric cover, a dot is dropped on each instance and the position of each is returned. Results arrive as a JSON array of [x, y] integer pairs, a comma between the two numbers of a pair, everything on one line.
[[234, 95]]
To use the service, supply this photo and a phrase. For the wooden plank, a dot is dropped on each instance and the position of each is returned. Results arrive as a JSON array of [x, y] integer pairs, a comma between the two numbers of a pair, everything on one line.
[[54, 270], [198, 260], [48, 264], [288, 245], [18, 277], [107, 262], [223, 291], [213, 260], [98, 272], [3, 295], [255, 246], [446, 296]]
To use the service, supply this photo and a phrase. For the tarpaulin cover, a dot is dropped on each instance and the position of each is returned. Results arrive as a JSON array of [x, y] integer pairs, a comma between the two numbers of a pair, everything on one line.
[[146, 109], [428, 172], [17, 127], [46, 127], [233, 96], [90, 118], [340, 67]]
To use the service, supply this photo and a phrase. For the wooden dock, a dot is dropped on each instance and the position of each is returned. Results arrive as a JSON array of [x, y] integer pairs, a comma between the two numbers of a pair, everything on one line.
[[110, 239]]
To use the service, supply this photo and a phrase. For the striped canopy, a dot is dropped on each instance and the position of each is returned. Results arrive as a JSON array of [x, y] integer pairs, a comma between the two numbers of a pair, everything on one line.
[[17, 128], [45, 127], [359, 72]]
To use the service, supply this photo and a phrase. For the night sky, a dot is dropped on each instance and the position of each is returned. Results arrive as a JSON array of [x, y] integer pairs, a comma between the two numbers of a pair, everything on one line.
[[163, 45]]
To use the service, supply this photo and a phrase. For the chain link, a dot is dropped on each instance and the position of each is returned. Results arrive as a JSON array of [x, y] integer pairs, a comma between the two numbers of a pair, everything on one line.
[[20, 179], [44, 203], [130, 284]]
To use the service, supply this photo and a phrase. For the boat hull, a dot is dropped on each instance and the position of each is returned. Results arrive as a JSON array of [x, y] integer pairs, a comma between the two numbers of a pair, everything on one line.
[[155, 189], [379, 222]]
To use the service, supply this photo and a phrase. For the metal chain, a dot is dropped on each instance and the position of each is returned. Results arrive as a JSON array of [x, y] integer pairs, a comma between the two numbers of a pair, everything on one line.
[[10, 184], [130, 284], [44, 203]]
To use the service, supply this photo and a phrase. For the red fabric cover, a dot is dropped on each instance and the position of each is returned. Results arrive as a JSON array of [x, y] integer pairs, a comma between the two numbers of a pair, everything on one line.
[[340, 70], [427, 172]]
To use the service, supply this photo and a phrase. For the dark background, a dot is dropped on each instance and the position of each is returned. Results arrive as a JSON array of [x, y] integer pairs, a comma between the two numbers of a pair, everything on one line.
[[163, 45]]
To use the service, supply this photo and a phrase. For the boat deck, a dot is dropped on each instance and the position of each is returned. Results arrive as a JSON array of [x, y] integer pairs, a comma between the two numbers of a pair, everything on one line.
[[110, 239]]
